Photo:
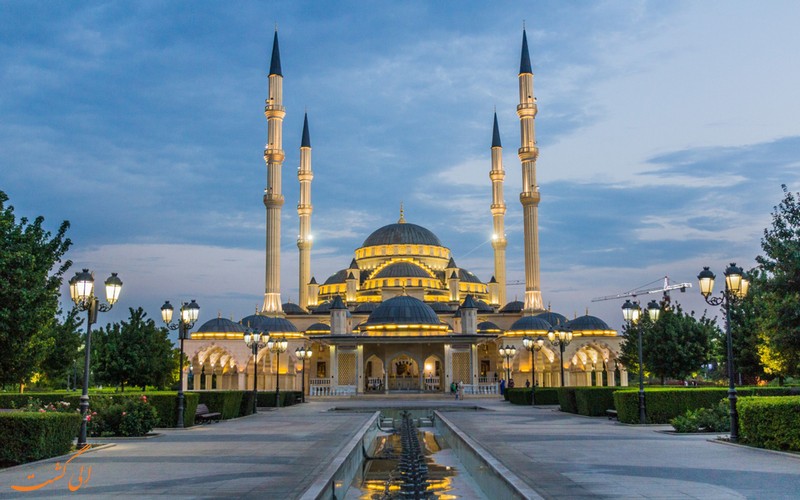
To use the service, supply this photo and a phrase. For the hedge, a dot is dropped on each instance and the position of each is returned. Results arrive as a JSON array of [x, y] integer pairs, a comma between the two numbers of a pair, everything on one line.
[[519, 396], [594, 401], [166, 402], [664, 404], [29, 436], [228, 403], [546, 396], [772, 423], [566, 399], [288, 398]]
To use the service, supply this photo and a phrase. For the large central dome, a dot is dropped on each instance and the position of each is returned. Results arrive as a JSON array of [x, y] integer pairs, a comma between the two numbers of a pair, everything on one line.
[[402, 233]]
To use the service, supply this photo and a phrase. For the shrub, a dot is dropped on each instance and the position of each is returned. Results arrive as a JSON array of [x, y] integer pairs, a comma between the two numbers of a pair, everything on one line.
[[29, 436], [166, 403], [519, 396], [124, 417], [288, 398], [664, 404], [566, 398], [772, 423], [716, 419], [594, 401], [546, 396]]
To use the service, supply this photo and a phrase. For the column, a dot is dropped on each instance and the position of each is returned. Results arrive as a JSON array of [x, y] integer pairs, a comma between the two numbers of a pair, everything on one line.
[[360, 381]]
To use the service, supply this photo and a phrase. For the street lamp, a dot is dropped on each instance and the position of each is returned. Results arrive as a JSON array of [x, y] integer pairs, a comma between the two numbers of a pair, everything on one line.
[[190, 311], [561, 338], [277, 346], [81, 291], [255, 341], [736, 287], [533, 346], [509, 351], [631, 313], [303, 353]]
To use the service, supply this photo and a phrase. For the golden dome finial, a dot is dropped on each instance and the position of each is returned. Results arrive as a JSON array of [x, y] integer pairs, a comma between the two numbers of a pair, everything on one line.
[[402, 215]]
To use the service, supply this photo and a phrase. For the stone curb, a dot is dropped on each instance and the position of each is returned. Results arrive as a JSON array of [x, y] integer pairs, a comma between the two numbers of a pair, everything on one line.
[[795, 456], [58, 458]]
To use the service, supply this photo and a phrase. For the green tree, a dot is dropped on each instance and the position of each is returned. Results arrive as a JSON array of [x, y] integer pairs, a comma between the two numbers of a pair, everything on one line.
[[675, 346], [779, 321], [747, 331], [63, 354], [31, 271], [134, 352]]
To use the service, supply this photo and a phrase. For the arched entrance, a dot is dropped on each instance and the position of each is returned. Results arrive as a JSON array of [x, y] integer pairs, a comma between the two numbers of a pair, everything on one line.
[[404, 374], [374, 374]]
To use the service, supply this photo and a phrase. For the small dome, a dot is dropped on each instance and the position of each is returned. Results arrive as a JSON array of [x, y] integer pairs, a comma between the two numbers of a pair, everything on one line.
[[292, 308], [554, 319], [367, 307], [323, 308], [440, 307], [402, 233], [468, 277], [268, 324], [402, 270], [588, 323], [513, 307], [403, 310], [488, 327], [483, 307], [530, 324], [338, 277], [319, 328], [220, 325]]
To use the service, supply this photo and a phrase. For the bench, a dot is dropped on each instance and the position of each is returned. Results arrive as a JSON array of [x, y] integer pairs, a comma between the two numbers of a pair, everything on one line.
[[611, 414], [203, 414]]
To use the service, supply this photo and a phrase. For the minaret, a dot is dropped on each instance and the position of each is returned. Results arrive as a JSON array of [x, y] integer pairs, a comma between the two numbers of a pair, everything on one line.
[[273, 198], [528, 152], [304, 210], [499, 242]]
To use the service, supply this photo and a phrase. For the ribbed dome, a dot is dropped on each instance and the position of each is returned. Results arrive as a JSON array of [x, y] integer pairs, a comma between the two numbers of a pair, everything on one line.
[[323, 308], [402, 233], [513, 307], [554, 319], [403, 310], [441, 307], [338, 277], [220, 325], [530, 324], [467, 276], [367, 307], [488, 327], [318, 328], [292, 308], [402, 270], [588, 323], [267, 324]]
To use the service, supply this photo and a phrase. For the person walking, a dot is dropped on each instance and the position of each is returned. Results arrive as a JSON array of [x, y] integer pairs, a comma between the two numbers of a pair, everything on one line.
[[461, 390], [502, 387]]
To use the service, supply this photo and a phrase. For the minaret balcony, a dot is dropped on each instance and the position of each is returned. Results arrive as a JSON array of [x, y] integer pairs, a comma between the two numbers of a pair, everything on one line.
[[273, 200], [498, 208], [273, 111], [530, 198], [497, 175], [528, 153], [274, 155], [527, 109]]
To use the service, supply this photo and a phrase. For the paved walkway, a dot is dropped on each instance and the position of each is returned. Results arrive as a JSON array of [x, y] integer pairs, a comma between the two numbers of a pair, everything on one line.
[[276, 454]]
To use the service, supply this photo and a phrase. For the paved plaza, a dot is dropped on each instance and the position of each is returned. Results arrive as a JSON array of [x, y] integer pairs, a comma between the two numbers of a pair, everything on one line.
[[276, 454]]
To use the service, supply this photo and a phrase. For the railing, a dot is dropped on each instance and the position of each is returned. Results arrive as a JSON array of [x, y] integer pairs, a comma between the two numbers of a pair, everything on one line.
[[328, 390], [481, 389], [432, 383]]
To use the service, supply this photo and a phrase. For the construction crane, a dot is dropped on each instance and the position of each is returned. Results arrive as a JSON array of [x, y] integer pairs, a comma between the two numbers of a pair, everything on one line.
[[644, 290]]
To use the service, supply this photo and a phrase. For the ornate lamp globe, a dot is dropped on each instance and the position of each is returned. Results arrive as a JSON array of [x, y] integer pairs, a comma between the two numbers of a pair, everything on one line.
[[733, 278], [654, 310], [706, 279], [113, 288], [630, 311], [166, 312], [82, 286], [190, 312]]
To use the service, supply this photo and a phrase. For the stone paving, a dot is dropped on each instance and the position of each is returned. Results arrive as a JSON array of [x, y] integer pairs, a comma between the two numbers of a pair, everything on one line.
[[276, 454]]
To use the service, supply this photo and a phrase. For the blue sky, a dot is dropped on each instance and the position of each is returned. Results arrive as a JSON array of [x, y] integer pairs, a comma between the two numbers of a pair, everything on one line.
[[666, 130]]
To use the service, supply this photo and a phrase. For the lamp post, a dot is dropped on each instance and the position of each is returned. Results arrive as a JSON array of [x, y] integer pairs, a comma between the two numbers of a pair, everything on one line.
[[303, 353], [631, 313], [277, 346], [189, 314], [509, 351], [533, 346], [81, 291], [561, 338], [736, 287], [255, 341]]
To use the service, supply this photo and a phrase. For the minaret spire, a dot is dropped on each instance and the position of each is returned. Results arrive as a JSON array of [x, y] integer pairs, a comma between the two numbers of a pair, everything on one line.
[[273, 197], [402, 219], [304, 209], [499, 242], [528, 153]]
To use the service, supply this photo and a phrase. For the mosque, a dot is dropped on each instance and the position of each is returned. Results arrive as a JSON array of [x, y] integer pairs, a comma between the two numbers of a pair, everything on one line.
[[403, 316]]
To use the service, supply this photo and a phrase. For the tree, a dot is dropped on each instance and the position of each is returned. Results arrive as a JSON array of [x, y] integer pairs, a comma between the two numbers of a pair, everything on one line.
[[780, 320], [747, 331], [31, 272], [675, 346], [134, 352], [63, 354]]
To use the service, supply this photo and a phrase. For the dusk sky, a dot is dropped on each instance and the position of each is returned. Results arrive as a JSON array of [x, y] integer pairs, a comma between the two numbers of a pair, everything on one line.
[[666, 130]]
